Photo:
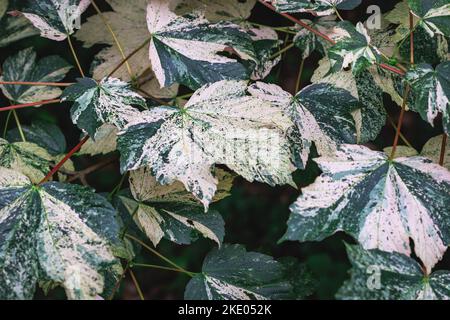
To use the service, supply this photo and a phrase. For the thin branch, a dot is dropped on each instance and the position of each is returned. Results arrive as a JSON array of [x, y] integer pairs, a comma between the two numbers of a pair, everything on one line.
[[154, 266], [67, 157], [116, 40], [322, 35], [299, 76], [19, 126], [136, 284], [276, 54], [129, 57], [45, 84], [443, 146], [159, 255], [5, 129], [400, 122], [31, 104], [401, 135], [411, 37], [75, 56]]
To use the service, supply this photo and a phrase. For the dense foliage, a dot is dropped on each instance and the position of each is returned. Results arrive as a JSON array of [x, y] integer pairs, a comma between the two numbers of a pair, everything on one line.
[[185, 101]]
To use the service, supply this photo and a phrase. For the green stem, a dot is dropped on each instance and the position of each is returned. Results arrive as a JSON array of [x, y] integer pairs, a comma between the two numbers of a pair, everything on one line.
[[156, 253], [19, 126], [299, 76], [5, 130], [136, 284], [154, 266], [72, 49], [338, 14], [289, 46]]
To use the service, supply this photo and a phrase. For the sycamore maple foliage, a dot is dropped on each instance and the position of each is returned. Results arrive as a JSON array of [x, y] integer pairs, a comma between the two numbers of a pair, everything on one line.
[[181, 152]]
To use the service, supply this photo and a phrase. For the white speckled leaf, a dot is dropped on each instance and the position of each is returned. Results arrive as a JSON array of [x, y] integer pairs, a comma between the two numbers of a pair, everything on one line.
[[56, 19], [371, 116], [378, 275], [316, 7], [353, 50], [321, 113], [186, 49], [128, 21], [383, 204], [53, 233], [431, 89], [432, 150], [25, 157], [220, 124], [216, 10], [308, 42], [24, 67], [109, 101], [232, 273]]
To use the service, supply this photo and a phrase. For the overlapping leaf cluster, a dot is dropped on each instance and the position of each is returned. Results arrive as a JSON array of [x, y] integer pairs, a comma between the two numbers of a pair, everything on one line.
[[175, 151]]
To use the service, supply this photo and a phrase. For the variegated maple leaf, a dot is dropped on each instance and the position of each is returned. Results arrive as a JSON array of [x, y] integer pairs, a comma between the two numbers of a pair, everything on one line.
[[431, 89], [96, 103], [53, 233], [186, 49], [322, 114], [316, 7], [434, 15], [13, 28], [220, 124], [378, 275], [24, 66], [232, 273], [383, 203], [353, 50], [56, 19], [172, 212]]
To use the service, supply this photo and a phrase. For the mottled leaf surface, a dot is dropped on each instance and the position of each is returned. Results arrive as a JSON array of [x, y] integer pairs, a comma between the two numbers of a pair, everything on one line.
[[353, 49], [24, 66], [379, 275], [216, 10], [434, 15], [96, 103], [381, 203], [46, 135], [25, 157], [232, 273], [322, 114], [220, 124], [316, 7], [13, 28], [56, 19], [432, 150], [185, 49], [54, 233], [431, 89], [104, 143]]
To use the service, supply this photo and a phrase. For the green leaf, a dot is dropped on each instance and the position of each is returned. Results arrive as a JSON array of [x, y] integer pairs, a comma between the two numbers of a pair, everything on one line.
[[55, 233], [321, 114], [186, 49], [13, 28], [316, 7], [434, 15], [232, 273], [42, 133], [381, 203], [24, 67], [431, 89], [379, 275], [55, 19], [370, 117], [353, 49], [109, 101], [170, 211], [25, 157], [217, 10], [221, 124]]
